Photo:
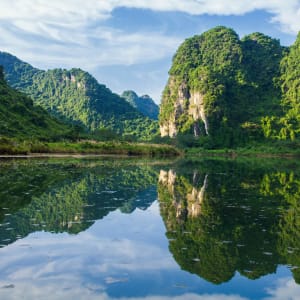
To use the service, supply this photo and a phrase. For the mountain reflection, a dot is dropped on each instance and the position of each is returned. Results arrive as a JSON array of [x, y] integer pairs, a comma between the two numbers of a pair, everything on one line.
[[222, 217], [69, 196]]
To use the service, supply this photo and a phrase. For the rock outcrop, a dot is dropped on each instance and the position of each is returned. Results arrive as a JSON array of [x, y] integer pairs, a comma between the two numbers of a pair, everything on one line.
[[188, 104]]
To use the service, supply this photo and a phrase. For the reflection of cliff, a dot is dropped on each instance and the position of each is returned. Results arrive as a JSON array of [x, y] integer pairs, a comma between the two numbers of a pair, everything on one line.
[[189, 203], [222, 221], [70, 197]]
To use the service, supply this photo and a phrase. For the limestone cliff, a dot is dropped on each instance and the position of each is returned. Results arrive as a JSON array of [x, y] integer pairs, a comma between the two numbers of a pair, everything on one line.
[[188, 104], [220, 86]]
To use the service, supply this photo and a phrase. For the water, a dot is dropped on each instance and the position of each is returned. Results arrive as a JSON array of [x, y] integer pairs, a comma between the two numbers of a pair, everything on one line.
[[136, 229]]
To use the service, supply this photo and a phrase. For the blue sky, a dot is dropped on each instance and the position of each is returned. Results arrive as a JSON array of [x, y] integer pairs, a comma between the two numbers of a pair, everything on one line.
[[129, 44]]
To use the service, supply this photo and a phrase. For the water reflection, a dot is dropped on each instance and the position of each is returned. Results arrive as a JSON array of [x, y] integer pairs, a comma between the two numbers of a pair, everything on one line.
[[222, 217], [94, 230], [68, 197]]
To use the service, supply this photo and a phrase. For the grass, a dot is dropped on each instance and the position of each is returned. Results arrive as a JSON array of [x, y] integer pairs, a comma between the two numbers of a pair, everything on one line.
[[274, 149], [14, 147], [255, 149]]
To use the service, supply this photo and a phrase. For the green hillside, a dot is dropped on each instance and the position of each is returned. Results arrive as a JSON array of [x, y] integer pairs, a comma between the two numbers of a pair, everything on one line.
[[20, 119], [76, 97]]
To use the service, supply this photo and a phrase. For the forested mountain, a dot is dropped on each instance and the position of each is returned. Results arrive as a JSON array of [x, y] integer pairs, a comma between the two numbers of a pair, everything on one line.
[[20, 119], [75, 96], [229, 91], [144, 104]]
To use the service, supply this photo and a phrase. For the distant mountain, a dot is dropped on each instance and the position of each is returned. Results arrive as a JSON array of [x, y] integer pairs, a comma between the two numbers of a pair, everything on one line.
[[20, 119], [143, 104], [76, 96]]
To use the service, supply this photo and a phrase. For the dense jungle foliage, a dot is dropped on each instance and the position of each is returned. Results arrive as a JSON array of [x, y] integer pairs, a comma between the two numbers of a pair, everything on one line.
[[19, 118], [250, 88]]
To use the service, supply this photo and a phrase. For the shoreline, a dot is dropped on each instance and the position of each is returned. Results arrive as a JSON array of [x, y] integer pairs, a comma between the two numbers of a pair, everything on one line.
[[62, 155], [86, 148], [231, 155]]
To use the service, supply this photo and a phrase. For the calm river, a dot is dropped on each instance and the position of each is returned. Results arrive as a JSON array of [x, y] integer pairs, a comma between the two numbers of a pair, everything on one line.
[[128, 229]]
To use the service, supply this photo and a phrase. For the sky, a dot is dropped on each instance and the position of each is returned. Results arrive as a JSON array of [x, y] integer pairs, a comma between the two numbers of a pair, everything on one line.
[[129, 44]]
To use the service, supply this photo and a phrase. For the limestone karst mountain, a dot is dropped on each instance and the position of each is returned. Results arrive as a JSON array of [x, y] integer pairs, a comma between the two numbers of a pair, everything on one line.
[[226, 89]]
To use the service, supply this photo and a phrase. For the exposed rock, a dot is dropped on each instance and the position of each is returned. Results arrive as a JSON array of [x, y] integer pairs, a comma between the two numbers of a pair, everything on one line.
[[197, 109], [190, 104]]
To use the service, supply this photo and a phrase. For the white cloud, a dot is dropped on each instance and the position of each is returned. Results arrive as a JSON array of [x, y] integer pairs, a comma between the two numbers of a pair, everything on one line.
[[33, 291], [64, 30], [75, 13], [286, 288], [81, 47], [73, 33]]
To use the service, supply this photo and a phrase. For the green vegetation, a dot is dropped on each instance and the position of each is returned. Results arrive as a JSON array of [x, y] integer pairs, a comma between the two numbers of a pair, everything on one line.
[[76, 97], [224, 216], [26, 128], [13, 147], [20, 119], [274, 148], [289, 124], [143, 104], [224, 92]]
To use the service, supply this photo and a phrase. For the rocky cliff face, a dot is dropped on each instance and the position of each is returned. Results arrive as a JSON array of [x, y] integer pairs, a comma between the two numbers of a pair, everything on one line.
[[189, 104]]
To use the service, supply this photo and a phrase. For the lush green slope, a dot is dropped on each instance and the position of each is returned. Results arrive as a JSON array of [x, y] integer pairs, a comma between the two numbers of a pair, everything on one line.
[[76, 96], [20, 119], [288, 126], [223, 89], [143, 104], [261, 61], [18, 74]]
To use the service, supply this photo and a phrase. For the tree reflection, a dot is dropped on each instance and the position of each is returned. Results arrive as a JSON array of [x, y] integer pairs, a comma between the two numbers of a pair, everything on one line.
[[68, 197], [223, 217]]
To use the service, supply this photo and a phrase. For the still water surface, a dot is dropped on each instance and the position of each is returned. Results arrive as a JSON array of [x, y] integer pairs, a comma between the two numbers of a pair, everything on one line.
[[133, 229]]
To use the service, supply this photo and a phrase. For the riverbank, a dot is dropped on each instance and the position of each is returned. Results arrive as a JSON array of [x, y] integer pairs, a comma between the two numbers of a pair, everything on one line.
[[251, 150], [11, 147]]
